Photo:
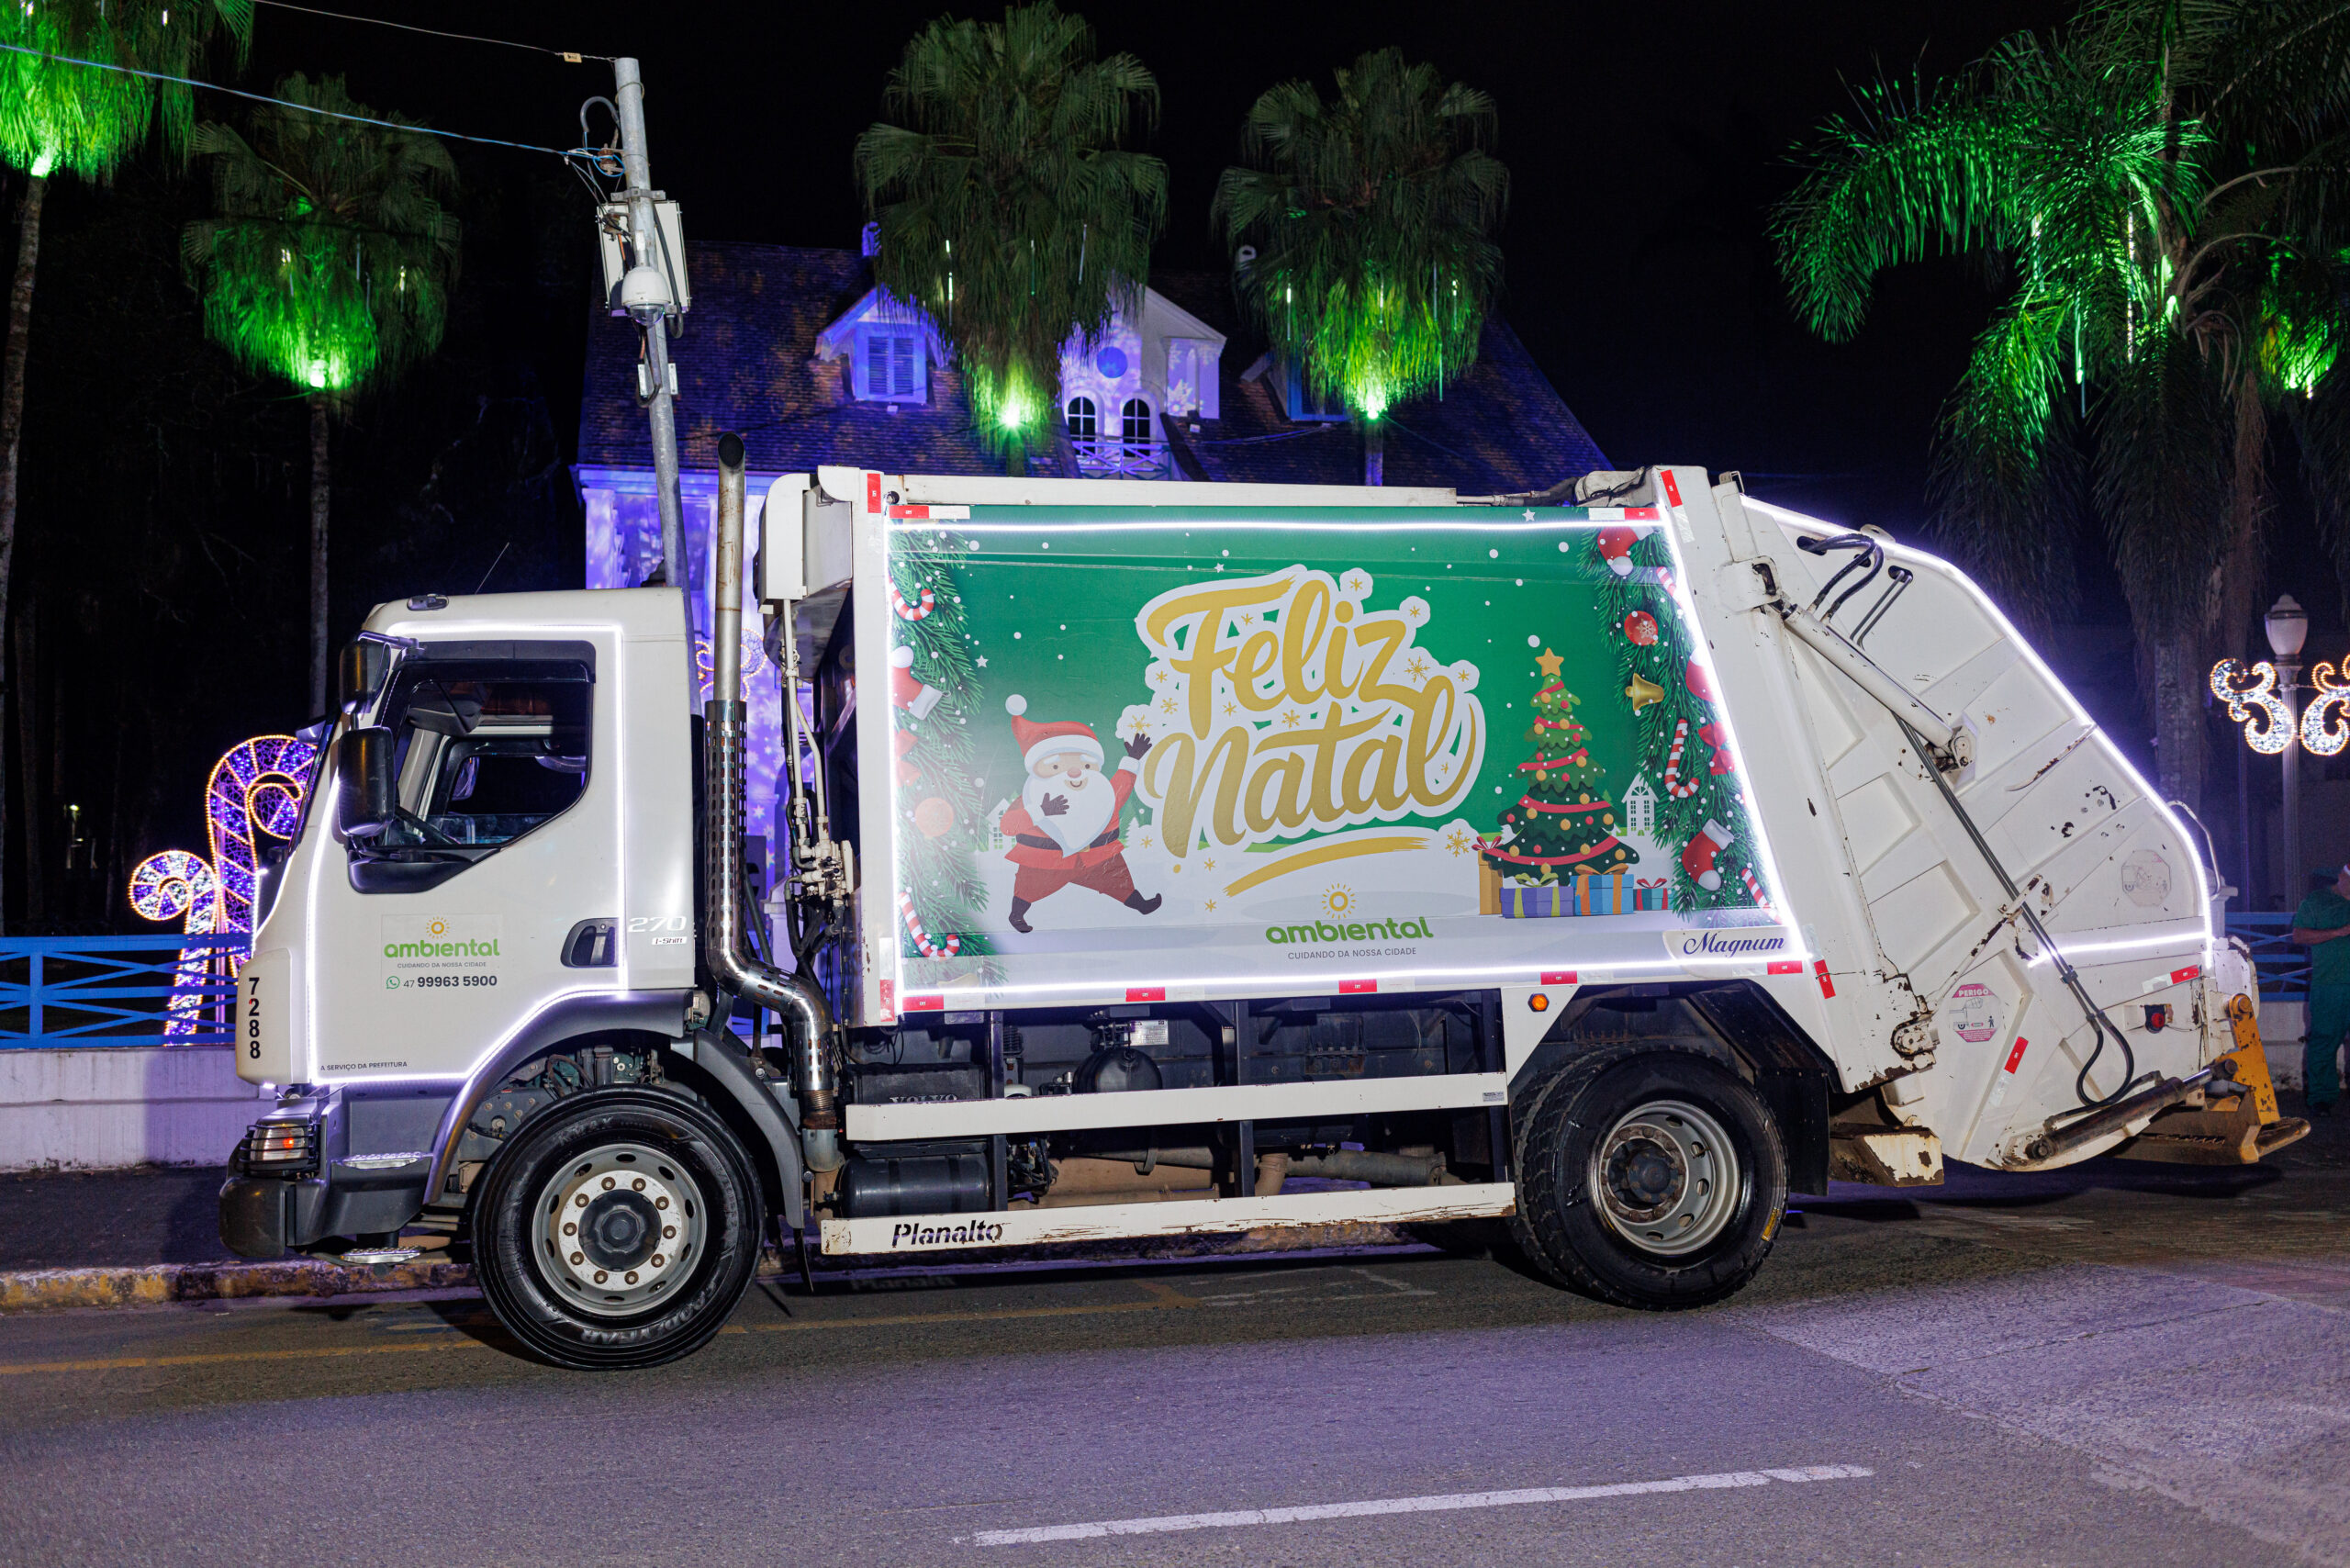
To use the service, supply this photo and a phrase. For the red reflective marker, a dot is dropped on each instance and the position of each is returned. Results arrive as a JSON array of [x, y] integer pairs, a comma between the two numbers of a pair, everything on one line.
[[1558, 977], [1146, 993], [2015, 1057], [1827, 986], [925, 1004], [1357, 988], [1784, 967]]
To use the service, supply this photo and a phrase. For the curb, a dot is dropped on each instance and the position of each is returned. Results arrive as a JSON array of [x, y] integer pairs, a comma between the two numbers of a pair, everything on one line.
[[33, 1290], [152, 1285]]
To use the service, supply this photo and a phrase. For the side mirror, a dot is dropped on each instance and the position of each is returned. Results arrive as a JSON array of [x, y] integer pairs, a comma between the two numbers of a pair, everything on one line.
[[360, 670], [365, 804]]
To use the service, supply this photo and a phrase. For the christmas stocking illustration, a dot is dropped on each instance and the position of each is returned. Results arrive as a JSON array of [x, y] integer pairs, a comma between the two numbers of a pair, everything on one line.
[[1698, 859]]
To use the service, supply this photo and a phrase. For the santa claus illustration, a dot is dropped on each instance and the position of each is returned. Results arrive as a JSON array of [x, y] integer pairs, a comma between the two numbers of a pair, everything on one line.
[[1065, 829]]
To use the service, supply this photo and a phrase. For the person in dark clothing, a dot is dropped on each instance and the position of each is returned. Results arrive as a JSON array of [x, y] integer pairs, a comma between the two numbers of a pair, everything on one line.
[[2322, 925]]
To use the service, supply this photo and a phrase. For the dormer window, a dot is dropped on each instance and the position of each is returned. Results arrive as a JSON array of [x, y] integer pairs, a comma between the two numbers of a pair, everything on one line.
[[889, 365], [1084, 423], [1304, 404]]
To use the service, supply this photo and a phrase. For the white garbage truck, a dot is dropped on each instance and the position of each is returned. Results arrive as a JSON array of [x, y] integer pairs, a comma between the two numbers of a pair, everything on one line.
[[1162, 858]]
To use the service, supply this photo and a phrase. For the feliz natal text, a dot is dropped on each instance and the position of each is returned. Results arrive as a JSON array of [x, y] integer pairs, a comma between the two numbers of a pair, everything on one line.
[[1411, 744]]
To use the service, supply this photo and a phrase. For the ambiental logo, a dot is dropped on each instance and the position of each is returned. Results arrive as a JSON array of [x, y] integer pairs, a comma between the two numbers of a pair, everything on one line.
[[1324, 932]]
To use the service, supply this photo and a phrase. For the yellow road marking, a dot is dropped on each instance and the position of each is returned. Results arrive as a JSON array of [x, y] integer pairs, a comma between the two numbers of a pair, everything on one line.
[[1321, 855], [1164, 1298], [114, 1363]]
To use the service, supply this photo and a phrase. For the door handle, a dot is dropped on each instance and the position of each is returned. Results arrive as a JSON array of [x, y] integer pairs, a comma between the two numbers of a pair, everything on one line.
[[592, 944]]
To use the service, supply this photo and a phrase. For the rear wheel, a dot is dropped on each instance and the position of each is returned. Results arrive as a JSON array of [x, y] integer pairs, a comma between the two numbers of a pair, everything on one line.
[[1652, 1181], [617, 1228]]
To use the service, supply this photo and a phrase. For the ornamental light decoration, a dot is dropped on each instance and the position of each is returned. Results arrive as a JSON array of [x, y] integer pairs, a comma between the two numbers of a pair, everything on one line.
[[256, 788], [2325, 727], [2251, 693]]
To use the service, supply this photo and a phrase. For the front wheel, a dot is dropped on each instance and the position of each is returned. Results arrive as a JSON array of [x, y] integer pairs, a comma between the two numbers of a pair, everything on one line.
[[1652, 1181], [617, 1228]]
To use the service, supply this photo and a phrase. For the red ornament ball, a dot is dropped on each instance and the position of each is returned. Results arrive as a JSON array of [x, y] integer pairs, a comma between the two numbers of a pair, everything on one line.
[[1701, 686], [1640, 626]]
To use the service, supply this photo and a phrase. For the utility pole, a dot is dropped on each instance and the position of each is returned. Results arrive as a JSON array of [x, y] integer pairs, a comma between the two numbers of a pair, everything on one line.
[[644, 247]]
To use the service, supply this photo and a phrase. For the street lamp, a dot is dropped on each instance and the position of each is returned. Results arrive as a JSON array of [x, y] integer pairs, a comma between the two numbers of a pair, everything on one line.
[[2263, 698]]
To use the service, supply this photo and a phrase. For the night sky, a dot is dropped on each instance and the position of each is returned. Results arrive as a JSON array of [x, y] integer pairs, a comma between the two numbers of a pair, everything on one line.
[[1645, 144]]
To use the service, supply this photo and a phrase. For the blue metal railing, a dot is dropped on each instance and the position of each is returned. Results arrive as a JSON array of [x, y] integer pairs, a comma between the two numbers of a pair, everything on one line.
[[2284, 969], [162, 990]]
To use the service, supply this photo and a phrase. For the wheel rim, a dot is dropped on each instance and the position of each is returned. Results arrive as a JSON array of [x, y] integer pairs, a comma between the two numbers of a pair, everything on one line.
[[618, 1227], [1667, 1178]]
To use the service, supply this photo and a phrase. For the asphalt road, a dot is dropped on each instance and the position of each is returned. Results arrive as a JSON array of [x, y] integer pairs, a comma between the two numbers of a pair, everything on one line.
[[2131, 1364]]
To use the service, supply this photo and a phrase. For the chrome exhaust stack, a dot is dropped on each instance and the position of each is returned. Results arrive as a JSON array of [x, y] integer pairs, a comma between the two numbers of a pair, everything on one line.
[[815, 1073]]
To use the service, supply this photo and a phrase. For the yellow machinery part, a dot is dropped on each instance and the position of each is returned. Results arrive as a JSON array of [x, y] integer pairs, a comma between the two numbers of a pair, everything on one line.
[[2234, 1131]]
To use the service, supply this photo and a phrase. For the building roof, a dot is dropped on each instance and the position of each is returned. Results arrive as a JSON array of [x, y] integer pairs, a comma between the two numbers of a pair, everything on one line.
[[748, 362]]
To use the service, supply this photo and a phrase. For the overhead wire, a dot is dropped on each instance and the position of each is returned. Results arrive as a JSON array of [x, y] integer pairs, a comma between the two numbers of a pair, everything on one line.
[[571, 55], [306, 108]]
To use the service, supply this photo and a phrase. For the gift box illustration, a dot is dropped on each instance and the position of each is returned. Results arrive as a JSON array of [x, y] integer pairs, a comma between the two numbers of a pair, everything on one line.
[[1613, 894]]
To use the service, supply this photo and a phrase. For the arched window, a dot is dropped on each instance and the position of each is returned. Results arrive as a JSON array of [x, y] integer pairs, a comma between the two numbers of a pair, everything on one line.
[[1082, 423], [1136, 420]]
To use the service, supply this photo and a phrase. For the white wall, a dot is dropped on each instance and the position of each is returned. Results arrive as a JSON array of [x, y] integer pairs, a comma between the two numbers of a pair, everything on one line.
[[96, 1109], [2283, 1026]]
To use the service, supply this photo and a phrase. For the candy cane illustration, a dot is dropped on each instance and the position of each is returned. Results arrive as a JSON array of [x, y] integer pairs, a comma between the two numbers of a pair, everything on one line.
[[256, 788], [945, 949], [1753, 888], [1672, 784], [918, 611]]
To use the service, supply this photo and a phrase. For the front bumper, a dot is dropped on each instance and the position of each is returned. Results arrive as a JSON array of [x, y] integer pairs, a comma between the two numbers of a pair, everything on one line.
[[295, 1180]]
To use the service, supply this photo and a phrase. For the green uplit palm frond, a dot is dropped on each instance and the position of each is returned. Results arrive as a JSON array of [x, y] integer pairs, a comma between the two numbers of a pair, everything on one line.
[[330, 255], [2059, 161], [83, 119], [1372, 216], [2004, 461], [1007, 205]]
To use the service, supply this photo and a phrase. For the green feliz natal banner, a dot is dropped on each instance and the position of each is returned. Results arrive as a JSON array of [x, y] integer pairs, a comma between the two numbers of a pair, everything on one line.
[[1198, 747]]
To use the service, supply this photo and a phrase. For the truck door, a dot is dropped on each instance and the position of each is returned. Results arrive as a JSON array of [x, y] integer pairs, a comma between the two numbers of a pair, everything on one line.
[[497, 888]]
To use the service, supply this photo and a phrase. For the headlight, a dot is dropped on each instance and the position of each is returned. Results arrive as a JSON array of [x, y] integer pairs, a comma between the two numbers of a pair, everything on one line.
[[279, 1148]]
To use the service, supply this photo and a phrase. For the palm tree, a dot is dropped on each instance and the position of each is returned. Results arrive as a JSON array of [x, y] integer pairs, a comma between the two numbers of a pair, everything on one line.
[[329, 263], [1007, 207], [83, 119], [2161, 300], [1372, 217]]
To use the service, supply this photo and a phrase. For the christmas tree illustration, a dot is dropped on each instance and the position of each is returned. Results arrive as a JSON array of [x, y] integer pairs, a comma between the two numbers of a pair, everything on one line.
[[1700, 818], [1563, 824]]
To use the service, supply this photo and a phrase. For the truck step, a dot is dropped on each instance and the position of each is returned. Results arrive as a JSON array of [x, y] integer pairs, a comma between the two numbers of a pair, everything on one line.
[[1029, 1226]]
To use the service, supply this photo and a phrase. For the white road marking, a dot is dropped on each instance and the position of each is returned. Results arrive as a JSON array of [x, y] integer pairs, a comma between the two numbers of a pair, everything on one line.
[[1448, 1502]]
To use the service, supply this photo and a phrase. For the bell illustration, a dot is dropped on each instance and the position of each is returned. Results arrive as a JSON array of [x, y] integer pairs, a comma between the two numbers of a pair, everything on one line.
[[1643, 692]]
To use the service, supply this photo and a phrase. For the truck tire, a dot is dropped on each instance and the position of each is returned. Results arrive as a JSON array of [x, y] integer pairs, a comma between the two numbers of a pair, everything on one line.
[[1523, 1115], [617, 1228], [1654, 1179]]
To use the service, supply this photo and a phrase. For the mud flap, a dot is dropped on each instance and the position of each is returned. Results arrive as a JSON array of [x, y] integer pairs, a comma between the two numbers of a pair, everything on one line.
[[2235, 1131]]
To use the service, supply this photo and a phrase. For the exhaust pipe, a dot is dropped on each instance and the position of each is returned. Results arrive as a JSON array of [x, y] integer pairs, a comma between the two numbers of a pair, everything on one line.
[[725, 943]]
